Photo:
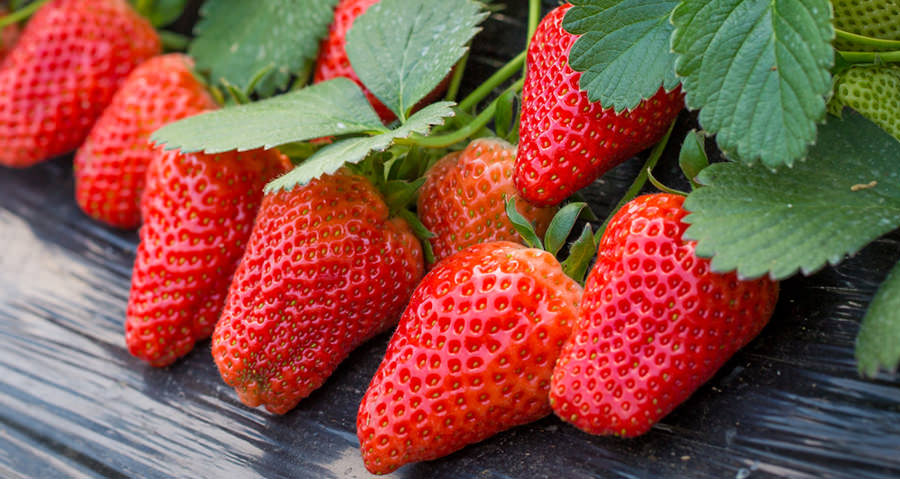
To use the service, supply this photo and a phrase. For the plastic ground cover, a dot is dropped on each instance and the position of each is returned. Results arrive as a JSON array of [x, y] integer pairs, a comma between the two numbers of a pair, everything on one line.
[[74, 403]]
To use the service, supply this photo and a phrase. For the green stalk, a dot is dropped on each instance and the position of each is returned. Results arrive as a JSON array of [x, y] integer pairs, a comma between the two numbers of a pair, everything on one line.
[[23, 14], [870, 57], [497, 79], [639, 182], [534, 17], [173, 42], [456, 81], [867, 41], [457, 136]]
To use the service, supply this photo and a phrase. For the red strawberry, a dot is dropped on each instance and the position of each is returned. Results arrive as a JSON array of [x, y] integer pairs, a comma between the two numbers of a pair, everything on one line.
[[326, 269], [473, 355], [68, 63], [8, 36], [566, 142], [463, 199], [655, 324], [111, 165], [198, 212]]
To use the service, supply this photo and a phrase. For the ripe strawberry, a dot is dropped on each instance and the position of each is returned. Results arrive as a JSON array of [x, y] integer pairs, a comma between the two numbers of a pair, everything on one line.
[[68, 63], [8, 36], [198, 211], [874, 91], [472, 356], [655, 323], [111, 165], [871, 18], [326, 269], [566, 142], [463, 199]]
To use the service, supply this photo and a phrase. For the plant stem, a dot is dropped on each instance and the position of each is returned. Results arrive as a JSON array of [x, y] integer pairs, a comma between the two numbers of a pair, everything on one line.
[[23, 14], [869, 57], [534, 17], [864, 40], [503, 74], [457, 136], [661, 187], [173, 42], [639, 182], [456, 81]]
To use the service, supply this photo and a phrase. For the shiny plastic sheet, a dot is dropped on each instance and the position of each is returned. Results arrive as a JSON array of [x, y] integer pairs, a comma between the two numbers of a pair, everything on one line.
[[74, 403]]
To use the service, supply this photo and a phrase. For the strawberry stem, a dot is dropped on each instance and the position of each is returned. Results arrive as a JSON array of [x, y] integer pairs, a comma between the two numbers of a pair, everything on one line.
[[639, 182], [864, 40], [503, 74], [463, 133], [871, 57], [173, 42], [23, 14], [534, 17], [662, 187], [456, 81]]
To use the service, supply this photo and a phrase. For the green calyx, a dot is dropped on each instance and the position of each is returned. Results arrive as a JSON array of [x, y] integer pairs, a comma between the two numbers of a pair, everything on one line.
[[580, 252]]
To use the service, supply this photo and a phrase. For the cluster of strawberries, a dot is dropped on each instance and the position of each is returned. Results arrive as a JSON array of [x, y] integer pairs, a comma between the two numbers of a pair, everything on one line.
[[288, 283]]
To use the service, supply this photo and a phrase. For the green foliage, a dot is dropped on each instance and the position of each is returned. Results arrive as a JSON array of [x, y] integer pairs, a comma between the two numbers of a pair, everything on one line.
[[623, 50], [692, 158], [236, 38], [561, 226], [878, 343], [759, 222], [759, 72], [402, 49], [353, 150], [580, 254], [160, 12], [336, 107], [522, 225]]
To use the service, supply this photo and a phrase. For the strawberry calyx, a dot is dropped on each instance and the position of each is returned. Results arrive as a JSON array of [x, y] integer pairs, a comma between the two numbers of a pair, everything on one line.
[[580, 252]]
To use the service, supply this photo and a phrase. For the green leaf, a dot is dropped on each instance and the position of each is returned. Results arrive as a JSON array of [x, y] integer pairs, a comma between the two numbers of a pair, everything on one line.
[[757, 221], [759, 72], [692, 158], [878, 342], [353, 150], [422, 233], [336, 107], [623, 50], [160, 12], [235, 39], [561, 226], [402, 49], [522, 225], [503, 118], [580, 254]]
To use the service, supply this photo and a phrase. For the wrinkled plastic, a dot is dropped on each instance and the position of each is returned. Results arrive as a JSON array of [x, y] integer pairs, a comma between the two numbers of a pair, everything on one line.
[[74, 403]]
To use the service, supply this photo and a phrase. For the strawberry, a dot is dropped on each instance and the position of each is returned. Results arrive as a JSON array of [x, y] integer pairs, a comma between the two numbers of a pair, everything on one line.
[[198, 211], [655, 323], [325, 270], [871, 18], [64, 70], [110, 166], [566, 142], [872, 90], [472, 356], [8, 35], [463, 199]]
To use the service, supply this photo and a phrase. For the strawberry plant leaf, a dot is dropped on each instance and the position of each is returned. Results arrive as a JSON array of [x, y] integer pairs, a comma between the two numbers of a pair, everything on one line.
[[235, 39], [623, 51], [160, 12], [878, 343], [353, 150], [522, 225], [402, 49], [756, 221], [580, 254], [758, 71], [336, 107]]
